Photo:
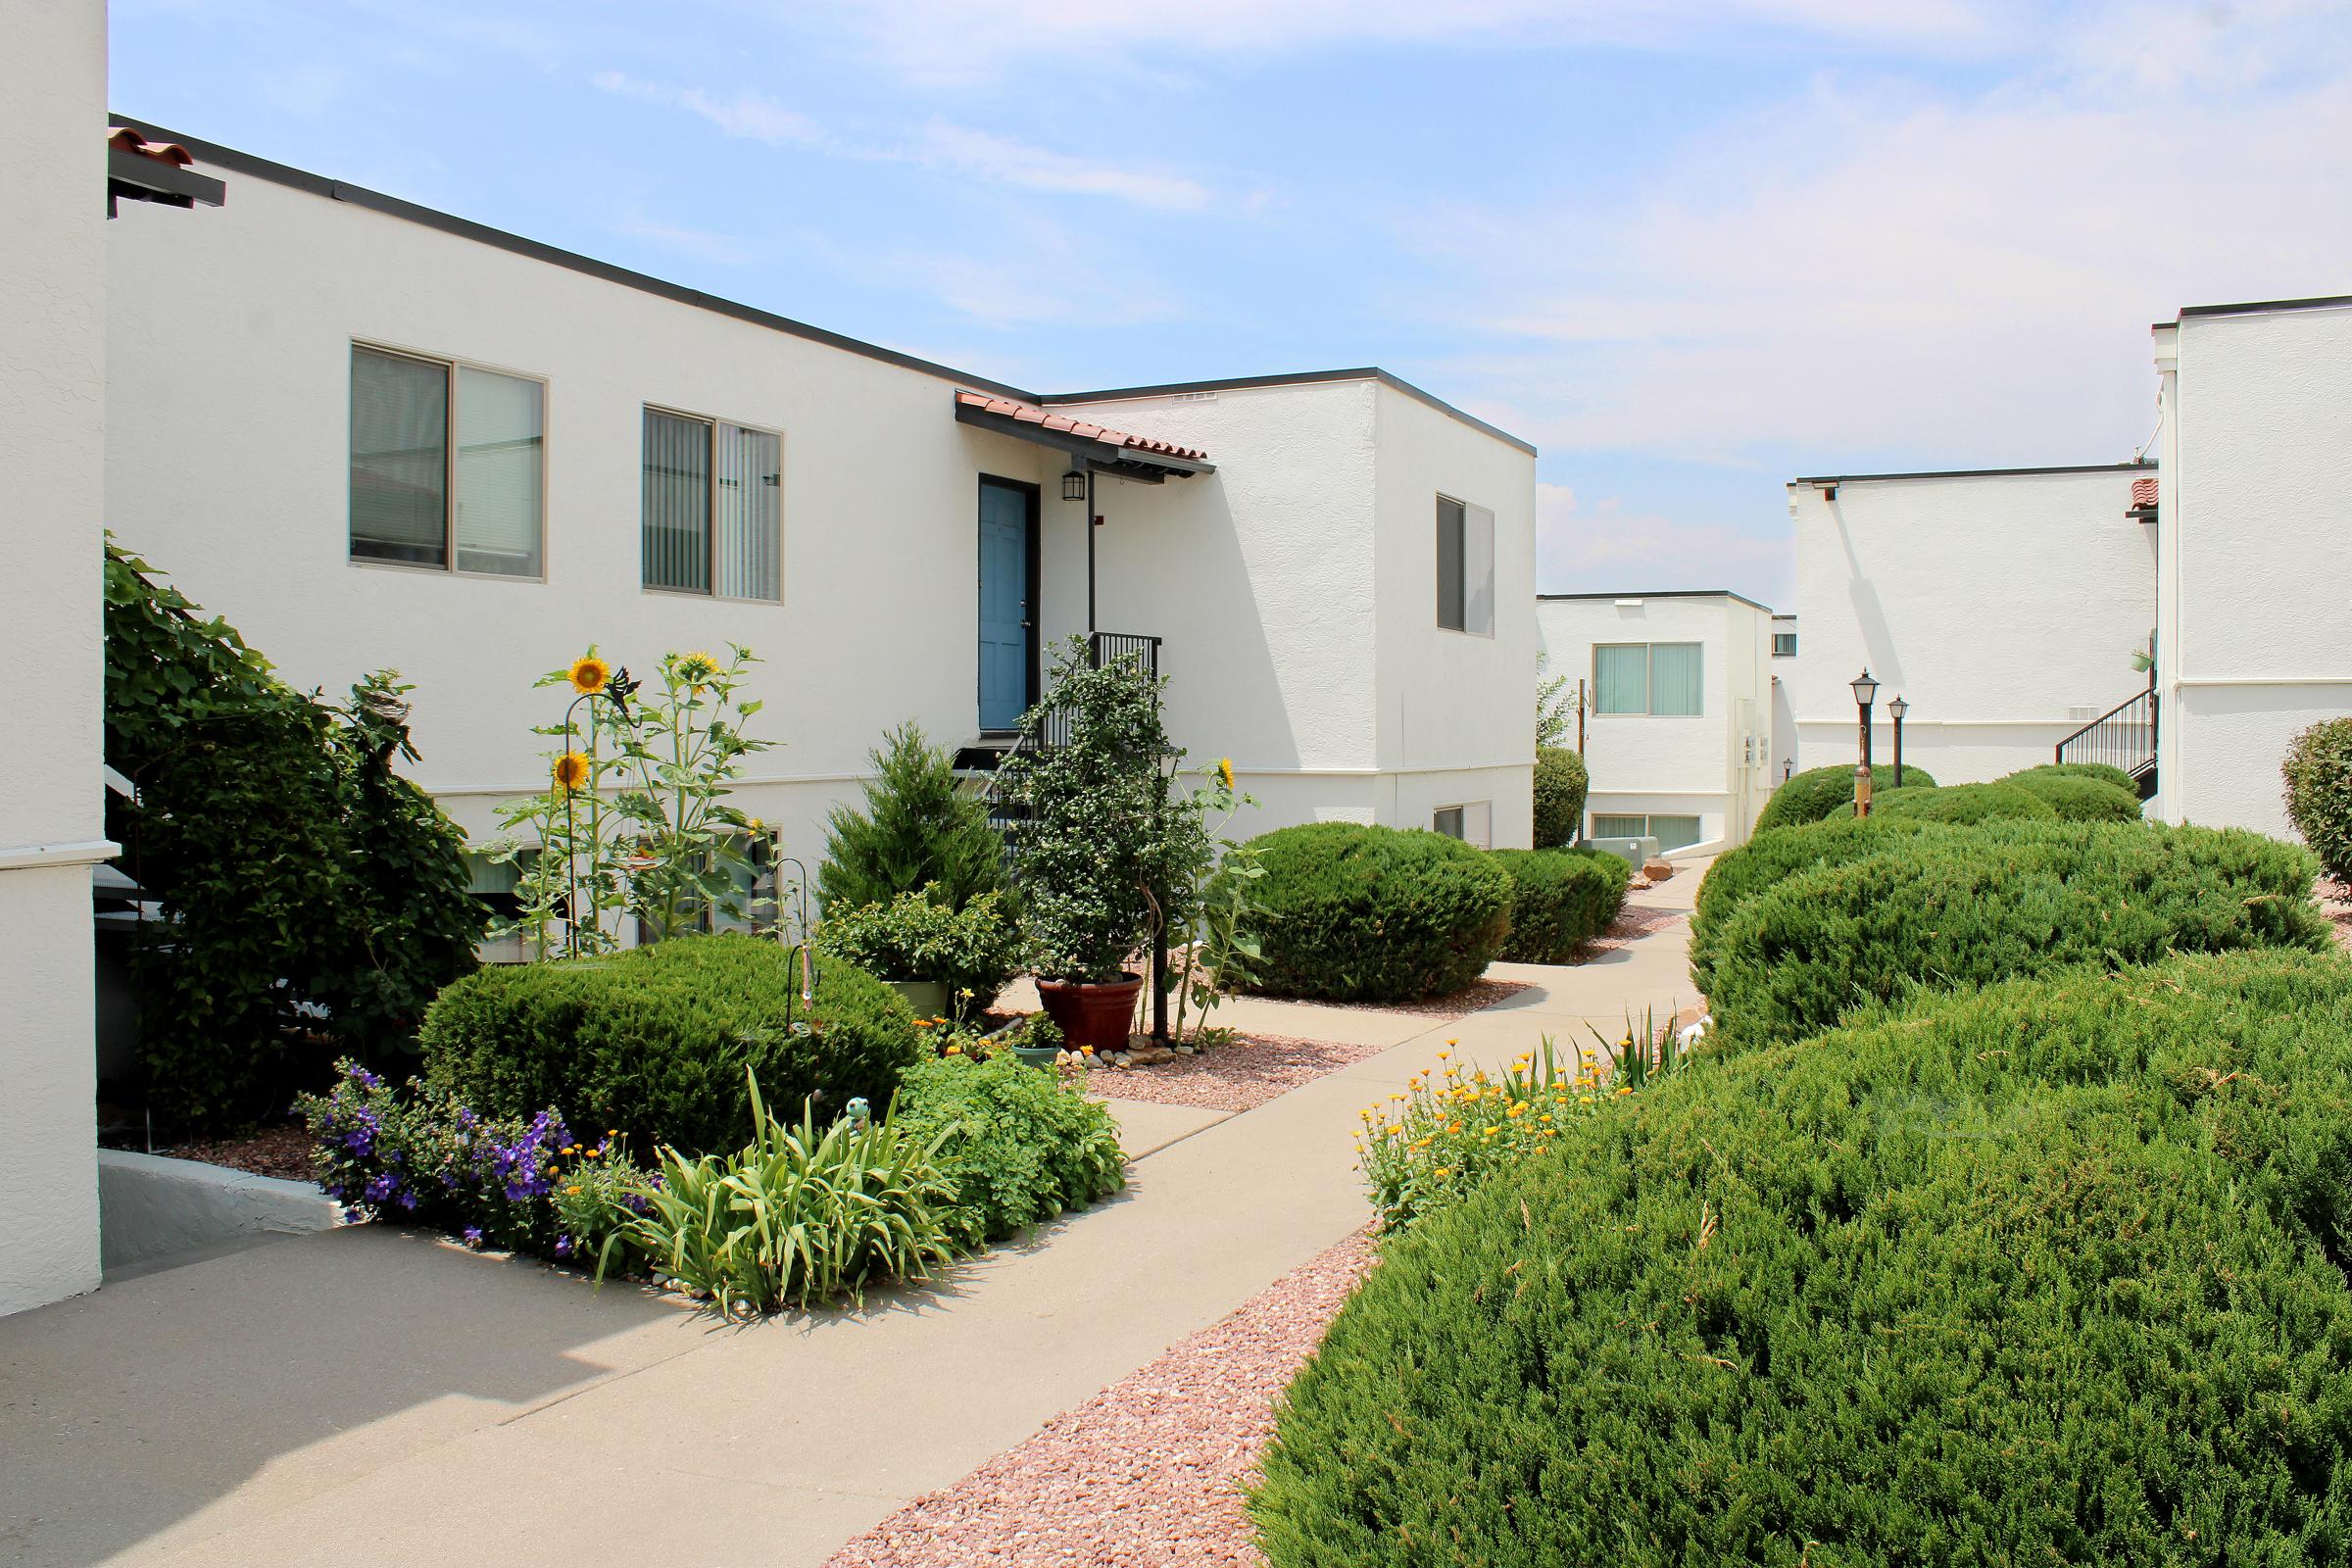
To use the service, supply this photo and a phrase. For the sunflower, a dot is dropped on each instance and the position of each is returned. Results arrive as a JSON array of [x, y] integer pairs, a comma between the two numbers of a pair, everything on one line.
[[589, 674], [694, 670], [570, 770], [1225, 771]]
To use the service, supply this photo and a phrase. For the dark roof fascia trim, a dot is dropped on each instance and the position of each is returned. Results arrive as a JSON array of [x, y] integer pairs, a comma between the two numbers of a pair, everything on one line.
[[1103, 455], [253, 167], [144, 178], [2322, 302], [1671, 593], [1975, 474], [1239, 383]]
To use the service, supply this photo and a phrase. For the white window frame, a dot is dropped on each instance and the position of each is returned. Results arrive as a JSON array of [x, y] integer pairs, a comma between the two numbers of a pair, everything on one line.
[[449, 567], [710, 508], [1649, 820], [1474, 515], [1649, 685]]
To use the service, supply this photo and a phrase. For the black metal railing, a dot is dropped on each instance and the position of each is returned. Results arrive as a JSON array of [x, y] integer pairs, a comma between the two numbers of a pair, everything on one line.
[[1105, 650], [2125, 737]]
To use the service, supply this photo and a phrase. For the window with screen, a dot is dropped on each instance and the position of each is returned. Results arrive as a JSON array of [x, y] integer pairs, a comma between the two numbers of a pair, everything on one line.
[[448, 466], [713, 508]]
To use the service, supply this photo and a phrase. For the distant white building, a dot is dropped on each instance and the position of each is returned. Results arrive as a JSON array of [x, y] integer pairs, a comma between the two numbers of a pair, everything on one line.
[[2253, 522], [1679, 710], [2005, 606]]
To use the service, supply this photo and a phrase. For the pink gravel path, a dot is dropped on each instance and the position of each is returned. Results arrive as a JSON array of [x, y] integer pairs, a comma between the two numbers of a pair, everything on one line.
[[2336, 903], [1247, 1073], [1634, 922], [1460, 1003], [1147, 1474]]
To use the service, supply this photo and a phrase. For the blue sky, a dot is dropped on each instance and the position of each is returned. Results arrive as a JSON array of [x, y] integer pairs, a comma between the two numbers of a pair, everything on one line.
[[1689, 253]]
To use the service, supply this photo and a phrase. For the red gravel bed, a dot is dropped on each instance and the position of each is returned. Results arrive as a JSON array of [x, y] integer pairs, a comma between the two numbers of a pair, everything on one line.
[[284, 1151], [1147, 1474], [1478, 994], [2336, 903], [1239, 1076], [1634, 922]]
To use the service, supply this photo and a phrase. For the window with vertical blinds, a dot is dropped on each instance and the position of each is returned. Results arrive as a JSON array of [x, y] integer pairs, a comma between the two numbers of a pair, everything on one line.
[[448, 464], [1660, 680], [713, 508]]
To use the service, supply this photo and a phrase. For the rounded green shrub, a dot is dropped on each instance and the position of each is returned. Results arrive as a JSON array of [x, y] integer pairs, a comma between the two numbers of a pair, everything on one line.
[[2101, 771], [1963, 804], [1560, 899], [2318, 793], [654, 1041], [1561, 785], [1352, 913], [2044, 1273], [1820, 792], [1767, 860], [1018, 1145], [2077, 798], [2007, 899]]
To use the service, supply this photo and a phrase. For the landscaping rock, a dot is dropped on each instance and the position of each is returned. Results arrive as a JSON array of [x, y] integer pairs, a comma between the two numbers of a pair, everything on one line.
[[1657, 871], [1149, 1055]]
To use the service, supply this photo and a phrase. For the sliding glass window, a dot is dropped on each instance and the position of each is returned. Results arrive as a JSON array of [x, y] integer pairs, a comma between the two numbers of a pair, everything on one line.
[[713, 508], [1660, 680], [425, 433], [1465, 568]]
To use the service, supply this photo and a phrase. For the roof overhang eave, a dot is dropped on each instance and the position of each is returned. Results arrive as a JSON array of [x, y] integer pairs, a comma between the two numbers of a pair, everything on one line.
[[1102, 457]]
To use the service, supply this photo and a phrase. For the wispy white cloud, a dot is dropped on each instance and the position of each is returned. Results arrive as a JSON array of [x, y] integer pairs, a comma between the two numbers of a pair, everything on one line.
[[1607, 546], [978, 155], [724, 249]]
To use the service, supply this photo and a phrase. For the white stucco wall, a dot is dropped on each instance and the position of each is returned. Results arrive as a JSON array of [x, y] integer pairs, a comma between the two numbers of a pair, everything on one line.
[[1782, 670], [1718, 765], [1263, 577], [52, 425], [2257, 556], [2004, 607]]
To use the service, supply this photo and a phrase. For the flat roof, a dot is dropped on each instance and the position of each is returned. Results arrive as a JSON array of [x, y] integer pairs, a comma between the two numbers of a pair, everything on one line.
[[1667, 592], [2317, 302], [276, 174], [1973, 473]]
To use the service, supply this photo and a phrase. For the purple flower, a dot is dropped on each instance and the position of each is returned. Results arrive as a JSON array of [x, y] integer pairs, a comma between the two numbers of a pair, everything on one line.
[[361, 1075], [562, 1247], [473, 1236], [381, 1188]]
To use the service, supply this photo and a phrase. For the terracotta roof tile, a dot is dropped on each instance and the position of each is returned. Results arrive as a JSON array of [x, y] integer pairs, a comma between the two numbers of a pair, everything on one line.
[[126, 139], [1031, 413], [2143, 493]]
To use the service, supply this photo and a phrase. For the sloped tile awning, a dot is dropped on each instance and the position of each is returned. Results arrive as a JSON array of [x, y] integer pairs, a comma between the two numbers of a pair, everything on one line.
[[2143, 500], [1098, 447]]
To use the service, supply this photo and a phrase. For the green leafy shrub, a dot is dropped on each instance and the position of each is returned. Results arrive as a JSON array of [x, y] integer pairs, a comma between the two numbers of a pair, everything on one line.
[[1354, 913], [1820, 792], [1963, 804], [2318, 793], [655, 1041], [1017, 1145], [293, 864], [800, 1214], [2044, 1273], [1561, 785], [1988, 904], [1768, 860], [917, 936], [1560, 899], [2076, 798], [2100, 771], [921, 829]]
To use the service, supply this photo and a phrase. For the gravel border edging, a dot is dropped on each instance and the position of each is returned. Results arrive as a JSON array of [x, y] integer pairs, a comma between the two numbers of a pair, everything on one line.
[[1150, 1472]]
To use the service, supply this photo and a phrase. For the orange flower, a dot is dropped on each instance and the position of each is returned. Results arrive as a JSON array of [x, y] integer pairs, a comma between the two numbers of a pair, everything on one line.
[[570, 770], [589, 674]]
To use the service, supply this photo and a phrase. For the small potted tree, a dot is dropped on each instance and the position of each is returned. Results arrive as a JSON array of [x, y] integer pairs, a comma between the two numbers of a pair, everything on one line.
[[1091, 839]]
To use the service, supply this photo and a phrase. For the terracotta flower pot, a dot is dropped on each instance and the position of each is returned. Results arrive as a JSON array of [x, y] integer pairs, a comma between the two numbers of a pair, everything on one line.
[[1092, 1013]]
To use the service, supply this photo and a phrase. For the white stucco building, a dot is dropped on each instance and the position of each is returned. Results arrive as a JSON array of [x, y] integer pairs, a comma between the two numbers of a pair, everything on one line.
[[395, 437], [52, 427], [2005, 606], [2254, 550], [1679, 710]]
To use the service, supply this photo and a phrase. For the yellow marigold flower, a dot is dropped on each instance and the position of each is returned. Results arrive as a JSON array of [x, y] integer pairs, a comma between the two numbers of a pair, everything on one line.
[[1395, 1129], [1442, 1170], [954, 1050], [1546, 1116], [570, 770], [1225, 771], [694, 670], [1085, 1050], [1443, 1054], [573, 1190], [1622, 1090], [589, 674]]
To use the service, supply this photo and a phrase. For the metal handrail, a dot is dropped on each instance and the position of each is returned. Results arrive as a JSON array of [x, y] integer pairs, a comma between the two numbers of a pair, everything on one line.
[[2125, 736]]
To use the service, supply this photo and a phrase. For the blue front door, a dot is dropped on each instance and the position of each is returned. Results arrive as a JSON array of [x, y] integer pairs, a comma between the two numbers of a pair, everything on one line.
[[1005, 617]]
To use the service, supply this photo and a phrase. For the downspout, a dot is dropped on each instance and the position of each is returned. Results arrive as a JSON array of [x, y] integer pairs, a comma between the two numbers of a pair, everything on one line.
[[1091, 521]]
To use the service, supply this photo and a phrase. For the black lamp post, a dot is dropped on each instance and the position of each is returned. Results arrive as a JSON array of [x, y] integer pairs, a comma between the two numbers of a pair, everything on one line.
[[1866, 692], [1896, 710]]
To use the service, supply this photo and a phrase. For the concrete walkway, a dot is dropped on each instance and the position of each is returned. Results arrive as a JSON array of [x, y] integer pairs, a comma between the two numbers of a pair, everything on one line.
[[369, 1396]]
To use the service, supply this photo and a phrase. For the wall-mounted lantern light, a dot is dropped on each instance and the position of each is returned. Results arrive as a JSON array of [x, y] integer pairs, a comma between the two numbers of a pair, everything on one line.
[[1073, 486]]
